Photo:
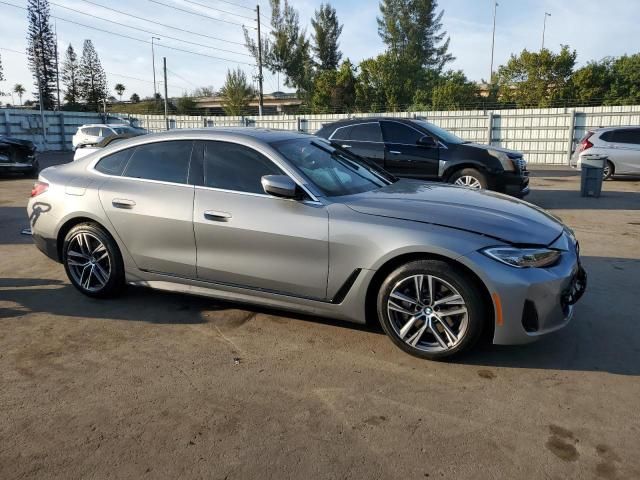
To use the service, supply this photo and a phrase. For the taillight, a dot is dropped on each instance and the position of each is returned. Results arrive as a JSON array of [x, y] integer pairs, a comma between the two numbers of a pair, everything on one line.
[[38, 188], [585, 144]]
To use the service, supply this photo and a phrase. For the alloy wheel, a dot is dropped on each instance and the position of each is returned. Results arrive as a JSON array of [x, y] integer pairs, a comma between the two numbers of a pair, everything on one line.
[[606, 171], [428, 313], [469, 182], [88, 261]]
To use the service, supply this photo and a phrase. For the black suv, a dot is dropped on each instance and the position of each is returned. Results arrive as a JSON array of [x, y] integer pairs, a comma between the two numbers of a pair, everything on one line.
[[418, 149]]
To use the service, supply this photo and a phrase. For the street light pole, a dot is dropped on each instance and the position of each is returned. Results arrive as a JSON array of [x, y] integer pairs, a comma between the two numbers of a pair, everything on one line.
[[493, 41], [153, 61], [544, 27]]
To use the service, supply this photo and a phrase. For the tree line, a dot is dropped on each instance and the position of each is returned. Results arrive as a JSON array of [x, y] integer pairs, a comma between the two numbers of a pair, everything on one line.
[[411, 73]]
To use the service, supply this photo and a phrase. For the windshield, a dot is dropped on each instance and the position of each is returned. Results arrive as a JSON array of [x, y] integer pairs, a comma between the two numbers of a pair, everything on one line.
[[121, 130], [334, 172], [443, 134]]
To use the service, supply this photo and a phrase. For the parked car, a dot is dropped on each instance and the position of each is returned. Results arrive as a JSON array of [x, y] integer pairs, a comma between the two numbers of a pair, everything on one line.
[[95, 133], [18, 156], [621, 145], [418, 149], [286, 220], [85, 150]]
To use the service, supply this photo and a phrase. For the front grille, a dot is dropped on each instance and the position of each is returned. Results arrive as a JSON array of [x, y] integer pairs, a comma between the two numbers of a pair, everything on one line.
[[520, 164]]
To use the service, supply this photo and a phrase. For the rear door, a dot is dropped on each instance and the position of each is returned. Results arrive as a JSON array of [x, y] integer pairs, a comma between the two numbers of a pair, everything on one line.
[[250, 239], [364, 139], [149, 201], [626, 150], [403, 156]]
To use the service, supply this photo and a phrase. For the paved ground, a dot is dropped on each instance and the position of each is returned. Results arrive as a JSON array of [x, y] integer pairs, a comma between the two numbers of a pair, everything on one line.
[[154, 385]]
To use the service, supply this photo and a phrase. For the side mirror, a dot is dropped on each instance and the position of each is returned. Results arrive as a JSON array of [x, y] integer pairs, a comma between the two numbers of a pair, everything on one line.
[[427, 141], [280, 186]]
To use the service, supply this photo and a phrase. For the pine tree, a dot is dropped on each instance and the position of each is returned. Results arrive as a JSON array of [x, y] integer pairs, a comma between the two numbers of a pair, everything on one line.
[[236, 92], [92, 79], [41, 51], [326, 30], [412, 29], [70, 74], [1, 74]]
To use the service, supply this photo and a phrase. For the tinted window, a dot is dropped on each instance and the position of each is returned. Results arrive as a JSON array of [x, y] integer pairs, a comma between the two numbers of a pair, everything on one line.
[[342, 133], [92, 131], [366, 132], [439, 132], [114, 164], [606, 136], [235, 167], [395, 132], [164, 161], [627, 136]]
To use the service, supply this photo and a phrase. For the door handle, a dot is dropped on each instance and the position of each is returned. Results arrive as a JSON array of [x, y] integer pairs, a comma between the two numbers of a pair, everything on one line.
[[346, 146], [217, 216], [395, 152], [123, 203]]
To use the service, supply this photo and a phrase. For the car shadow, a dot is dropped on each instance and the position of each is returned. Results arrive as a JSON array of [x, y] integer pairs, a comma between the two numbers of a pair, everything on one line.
[[571, 200], [13, 220]]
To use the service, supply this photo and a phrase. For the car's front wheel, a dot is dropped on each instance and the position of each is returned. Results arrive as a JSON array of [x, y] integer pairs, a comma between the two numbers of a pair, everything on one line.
[[470, 178], [92, 261], [431, 309], [608, 170]]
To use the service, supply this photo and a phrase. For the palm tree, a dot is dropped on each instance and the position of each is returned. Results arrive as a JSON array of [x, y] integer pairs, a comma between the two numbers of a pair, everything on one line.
[[119, 88], [19, 90]]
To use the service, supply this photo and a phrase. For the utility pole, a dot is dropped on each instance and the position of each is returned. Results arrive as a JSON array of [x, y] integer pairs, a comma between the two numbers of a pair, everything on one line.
[[260, 97], [55, 29], [166, 105], [153, 61], [493, 41], [544, 27]]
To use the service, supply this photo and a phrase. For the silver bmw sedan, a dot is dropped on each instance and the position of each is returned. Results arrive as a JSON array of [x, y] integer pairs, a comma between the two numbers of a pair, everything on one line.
[[287, 220]]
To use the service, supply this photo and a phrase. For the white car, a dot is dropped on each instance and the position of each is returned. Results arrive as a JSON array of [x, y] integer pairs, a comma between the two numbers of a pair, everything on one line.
[[95, 133], [84, 150], [621, 146]]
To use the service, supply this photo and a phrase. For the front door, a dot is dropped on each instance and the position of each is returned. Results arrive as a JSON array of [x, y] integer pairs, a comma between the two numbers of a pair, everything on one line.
[[403, 156], [626, 150], [249, 239], [151, 205]]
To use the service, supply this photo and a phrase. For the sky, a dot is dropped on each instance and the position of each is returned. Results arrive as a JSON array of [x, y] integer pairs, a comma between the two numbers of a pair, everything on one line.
[[594, 30]]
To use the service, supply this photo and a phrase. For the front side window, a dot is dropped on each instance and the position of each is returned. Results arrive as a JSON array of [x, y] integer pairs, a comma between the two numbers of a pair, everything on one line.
[[230, 166], [163, 161], [366, 132], [396, 132], [334, 172], [342, 133]]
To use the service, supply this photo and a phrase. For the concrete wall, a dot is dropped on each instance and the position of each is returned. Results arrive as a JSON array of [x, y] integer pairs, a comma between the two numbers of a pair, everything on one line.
[[545, 135]]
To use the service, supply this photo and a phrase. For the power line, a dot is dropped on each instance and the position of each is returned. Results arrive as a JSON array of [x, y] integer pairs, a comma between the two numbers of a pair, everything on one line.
[[136, 39], [163, 24], [237, 4], [219, 10], [197, 13], [182, 78], [147, 31]]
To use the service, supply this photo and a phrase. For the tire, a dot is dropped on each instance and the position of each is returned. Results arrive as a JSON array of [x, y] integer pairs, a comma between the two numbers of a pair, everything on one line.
[[446, 281], [608, 171], [93, 261], [469, 177]]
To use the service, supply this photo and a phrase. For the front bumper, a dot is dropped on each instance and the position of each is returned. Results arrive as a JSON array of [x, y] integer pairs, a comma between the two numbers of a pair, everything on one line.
[[515, 184], [533, 301]]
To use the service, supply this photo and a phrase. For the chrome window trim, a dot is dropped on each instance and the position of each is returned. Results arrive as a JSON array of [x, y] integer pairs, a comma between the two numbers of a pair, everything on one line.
[[252, 194], [331, 137], [356, 125]]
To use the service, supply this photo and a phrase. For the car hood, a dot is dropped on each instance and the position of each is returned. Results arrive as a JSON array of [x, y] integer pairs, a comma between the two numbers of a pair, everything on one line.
[[18, 142], [482, 146], [483, 212]]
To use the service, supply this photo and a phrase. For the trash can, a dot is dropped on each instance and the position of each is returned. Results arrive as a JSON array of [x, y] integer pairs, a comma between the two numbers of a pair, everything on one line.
[[591, 175]]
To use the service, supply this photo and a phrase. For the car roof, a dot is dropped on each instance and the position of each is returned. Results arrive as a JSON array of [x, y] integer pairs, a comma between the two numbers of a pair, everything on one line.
[[355, 120], [264, 134], [621, 127], [105, 125]]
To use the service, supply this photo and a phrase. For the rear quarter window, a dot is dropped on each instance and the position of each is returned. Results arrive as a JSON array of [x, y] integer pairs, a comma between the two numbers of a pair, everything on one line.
[[114, 164]]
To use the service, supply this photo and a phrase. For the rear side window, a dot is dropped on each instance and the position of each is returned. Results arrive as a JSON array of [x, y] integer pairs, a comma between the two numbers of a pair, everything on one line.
[[627, 136], [366, 132], [92, 131], [606, 136], [395, 132], [342, 133], [114, 164], [230, 166], [163, 161]]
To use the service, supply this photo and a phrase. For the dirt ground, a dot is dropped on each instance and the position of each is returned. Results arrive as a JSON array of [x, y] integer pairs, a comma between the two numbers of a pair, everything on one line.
[[156, 385]]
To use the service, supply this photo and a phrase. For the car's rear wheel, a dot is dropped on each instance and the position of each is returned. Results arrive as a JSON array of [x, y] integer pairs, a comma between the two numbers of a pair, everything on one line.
[[470, 178], [431, 309], [92, 261], [608, 170]]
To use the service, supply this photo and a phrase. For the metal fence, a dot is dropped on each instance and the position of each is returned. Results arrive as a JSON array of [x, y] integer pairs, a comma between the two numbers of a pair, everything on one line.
[[544, 135]]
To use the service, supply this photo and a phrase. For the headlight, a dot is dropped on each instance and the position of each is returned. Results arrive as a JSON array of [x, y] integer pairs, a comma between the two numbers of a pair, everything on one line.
[[523, 257], [503, 158]]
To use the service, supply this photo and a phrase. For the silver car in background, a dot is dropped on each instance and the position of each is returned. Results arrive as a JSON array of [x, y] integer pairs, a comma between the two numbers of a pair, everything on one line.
[[286, 220], [621, 145]]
